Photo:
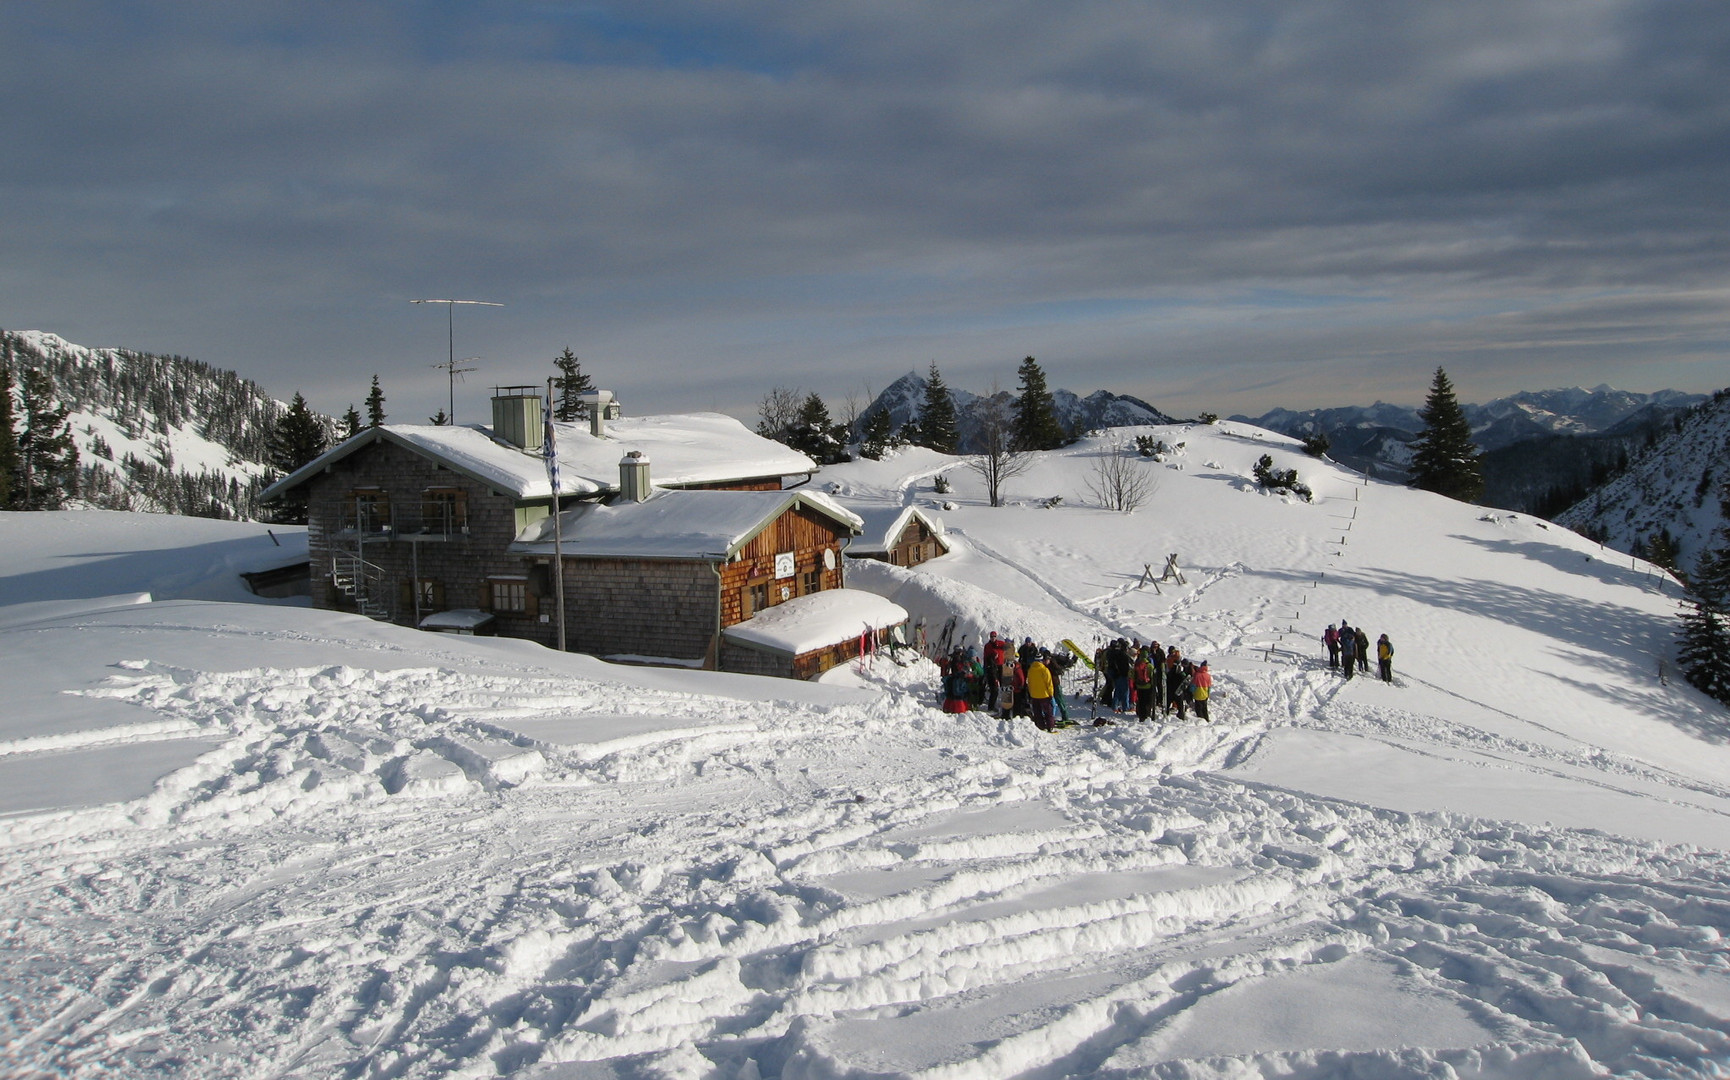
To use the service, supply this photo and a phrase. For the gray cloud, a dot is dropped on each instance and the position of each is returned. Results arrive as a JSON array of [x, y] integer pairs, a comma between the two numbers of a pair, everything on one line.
[[1214, 205]]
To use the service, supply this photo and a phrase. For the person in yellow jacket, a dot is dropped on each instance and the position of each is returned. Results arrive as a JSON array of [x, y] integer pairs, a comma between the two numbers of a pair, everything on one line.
[[1040, 689], [1385, 657], [1202, 681]]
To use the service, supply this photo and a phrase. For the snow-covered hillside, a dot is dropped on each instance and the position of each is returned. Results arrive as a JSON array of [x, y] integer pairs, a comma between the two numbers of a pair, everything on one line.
[[1680, 486], [250, 840], [158, 433]]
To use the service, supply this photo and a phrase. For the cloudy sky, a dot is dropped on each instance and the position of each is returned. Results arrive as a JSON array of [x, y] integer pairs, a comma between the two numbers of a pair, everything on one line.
[[1214, 204]]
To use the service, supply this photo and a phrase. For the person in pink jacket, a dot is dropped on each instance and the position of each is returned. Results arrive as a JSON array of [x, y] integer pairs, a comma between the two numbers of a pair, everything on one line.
[[1203, 683]]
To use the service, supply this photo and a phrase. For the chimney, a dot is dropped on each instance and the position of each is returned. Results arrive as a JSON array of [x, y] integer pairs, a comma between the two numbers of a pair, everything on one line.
[[634, 477], [601, 408], [517, 416]]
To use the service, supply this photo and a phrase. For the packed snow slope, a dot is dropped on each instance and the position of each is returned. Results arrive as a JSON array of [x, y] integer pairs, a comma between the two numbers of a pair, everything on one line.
[[327, 847]]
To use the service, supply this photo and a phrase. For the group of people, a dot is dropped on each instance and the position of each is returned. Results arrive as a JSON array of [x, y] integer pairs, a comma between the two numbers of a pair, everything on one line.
[[1147, 678], [1027, 680], [1007, 680], [1349, 648]]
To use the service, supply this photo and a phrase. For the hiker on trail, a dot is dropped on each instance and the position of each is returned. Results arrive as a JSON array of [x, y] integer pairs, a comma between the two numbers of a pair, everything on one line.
[[1060, 662], [1039, 692], [1185, 694], [995, 648], [1363, 644], [1385, 658], [1331, 638], [957, 683], [1202, 680], [1348, 649], [1118, 662], [1146, 690]]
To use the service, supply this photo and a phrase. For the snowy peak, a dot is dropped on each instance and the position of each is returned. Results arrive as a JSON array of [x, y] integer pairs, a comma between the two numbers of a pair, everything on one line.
[[904, 397]]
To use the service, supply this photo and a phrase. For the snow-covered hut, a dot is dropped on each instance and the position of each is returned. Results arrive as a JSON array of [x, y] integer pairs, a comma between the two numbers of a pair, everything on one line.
[[408, 520], [898, 535]]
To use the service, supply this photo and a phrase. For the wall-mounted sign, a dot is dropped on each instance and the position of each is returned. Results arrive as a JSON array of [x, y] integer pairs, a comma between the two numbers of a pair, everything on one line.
[[784, 564]]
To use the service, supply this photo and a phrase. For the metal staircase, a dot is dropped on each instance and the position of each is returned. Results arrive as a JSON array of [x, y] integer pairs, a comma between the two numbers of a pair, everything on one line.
[[354, 577]]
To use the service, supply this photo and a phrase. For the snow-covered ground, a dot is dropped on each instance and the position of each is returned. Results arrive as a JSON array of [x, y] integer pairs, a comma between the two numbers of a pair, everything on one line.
[[260, 840]]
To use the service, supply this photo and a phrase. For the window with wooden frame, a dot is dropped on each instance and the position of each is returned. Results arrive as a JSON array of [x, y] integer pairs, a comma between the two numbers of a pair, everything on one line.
[[367, 509], [444, 509], [507, 595], [754, 597], [812, 581]]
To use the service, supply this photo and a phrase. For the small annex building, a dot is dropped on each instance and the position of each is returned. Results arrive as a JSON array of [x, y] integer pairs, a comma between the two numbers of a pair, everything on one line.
[[665, 576], [898, 535]]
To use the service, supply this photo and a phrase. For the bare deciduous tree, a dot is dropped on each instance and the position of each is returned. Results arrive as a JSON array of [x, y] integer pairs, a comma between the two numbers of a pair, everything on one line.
[[997, 461], [1120, 480], [778, 412]]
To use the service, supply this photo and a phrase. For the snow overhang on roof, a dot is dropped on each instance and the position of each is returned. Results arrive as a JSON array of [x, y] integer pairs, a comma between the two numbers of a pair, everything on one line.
[[816, 621], [710, 526], [688, 449], [883, 526]]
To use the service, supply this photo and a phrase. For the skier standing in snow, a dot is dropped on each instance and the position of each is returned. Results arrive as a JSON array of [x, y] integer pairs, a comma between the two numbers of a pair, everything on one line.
[[1202, 679], [1363, 644], [1348, 649], [1039, 692], [1145, 692], [1385, 658], [995, 647], [1331, 638], [1118, 659], [957, 683]]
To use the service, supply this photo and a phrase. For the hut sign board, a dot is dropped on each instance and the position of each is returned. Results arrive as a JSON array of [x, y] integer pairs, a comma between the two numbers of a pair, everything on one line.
[[784, 565]]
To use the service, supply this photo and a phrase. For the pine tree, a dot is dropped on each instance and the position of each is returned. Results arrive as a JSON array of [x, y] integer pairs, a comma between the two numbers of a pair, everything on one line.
[[1036, 426], [1444, 460], [350, 423], [937, 425], [8, 433], [814, 434], [1711, 578], [47, 456], [1704, 649], [299, 438], [569, 386], [375, 405], [877, 437]]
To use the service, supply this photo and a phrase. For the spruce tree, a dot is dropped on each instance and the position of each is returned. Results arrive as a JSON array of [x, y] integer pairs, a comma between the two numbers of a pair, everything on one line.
[[814, 434], [569, 386], [937, 425], [1444, 459], [47, 456], [1711, 578], [1036, 426], [299, 438], [375, 405], [350, 423], [1704, 649], [878, 435], [8, 434]]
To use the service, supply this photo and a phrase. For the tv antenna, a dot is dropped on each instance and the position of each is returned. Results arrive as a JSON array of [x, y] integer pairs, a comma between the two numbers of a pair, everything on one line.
[[451, 361]]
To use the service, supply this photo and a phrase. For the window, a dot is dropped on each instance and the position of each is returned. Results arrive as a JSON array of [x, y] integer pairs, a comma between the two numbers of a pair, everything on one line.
[[756, 598], [813, 581], [510, 595], [444, 510], [368, 510]]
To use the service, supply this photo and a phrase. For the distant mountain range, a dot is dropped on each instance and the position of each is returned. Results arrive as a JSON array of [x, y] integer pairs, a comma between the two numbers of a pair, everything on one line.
[[904, 397]]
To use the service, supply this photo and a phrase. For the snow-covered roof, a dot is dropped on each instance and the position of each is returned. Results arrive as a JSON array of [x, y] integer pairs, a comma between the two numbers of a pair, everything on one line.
[[673, 524], [884, 525], [457, 619], [816, 620], [685, 449]]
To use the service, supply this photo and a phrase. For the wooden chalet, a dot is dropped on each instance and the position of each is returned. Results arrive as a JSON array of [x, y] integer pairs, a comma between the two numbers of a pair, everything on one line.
[[444, 527], [898, 535]]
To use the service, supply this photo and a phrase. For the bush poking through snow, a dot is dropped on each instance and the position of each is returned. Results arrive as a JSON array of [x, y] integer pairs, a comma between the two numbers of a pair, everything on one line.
[[1273, 479]]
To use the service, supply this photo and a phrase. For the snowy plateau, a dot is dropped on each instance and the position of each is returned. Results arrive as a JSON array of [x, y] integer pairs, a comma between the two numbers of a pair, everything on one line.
[[250, 839]]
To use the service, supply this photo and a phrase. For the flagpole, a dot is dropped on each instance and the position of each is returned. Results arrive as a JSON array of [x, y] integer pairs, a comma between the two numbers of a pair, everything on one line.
[[550, 449]]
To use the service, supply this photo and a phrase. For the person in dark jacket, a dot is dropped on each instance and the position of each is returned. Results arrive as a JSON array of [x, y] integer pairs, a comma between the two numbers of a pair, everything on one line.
[[1363, 642], [1348, 649], [1120, 663]]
